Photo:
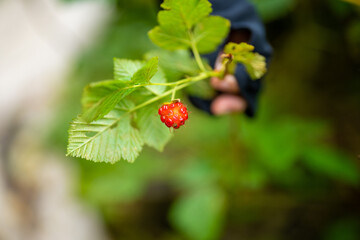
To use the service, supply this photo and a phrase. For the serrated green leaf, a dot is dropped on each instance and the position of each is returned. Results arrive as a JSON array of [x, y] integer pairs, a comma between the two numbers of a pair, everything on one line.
[[124, 69], [144, 74], [170, 40], [109, 101], [185, 24], [109, 139], [210, 32], [152, 130], [175, 64], [183, 14], [159, 77], [105, 104], [254, 63], [95, 91], [255, 66], [177, 21]]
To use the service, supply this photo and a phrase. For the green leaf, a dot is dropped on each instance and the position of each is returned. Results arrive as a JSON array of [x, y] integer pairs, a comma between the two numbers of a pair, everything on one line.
[[144, 74], [199, 215], [169, 40], [255, 65], [106, 104], [175, 64], [124, 69], [210, 32], [274, 9], [95, 91], [187, 24], [106, 140], [152, 130], [109, 101], [243, 53], [201, 89], [183, 14], [332, 163]]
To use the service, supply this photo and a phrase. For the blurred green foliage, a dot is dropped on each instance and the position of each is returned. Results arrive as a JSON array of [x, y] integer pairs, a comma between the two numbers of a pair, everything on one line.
[[291, 173]]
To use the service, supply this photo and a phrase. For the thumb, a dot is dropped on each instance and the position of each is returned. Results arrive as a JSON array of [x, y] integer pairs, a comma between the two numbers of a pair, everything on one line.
[[227, 103]]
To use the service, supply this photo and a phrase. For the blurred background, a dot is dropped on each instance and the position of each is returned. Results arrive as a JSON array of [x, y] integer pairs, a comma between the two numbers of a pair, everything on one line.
[[290, 173]]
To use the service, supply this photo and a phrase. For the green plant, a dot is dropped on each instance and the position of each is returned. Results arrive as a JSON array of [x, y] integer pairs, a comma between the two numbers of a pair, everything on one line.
[[119, 115]]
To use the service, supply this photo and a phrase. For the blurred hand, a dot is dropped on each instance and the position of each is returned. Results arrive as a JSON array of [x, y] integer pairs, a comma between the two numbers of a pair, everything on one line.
[[230, 100]]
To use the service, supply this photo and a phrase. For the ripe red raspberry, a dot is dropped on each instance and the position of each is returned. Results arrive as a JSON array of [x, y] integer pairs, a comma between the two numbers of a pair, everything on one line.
[[173, 114]]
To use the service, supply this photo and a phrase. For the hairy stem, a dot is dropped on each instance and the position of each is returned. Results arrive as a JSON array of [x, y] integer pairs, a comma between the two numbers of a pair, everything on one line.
[[196, 52], [189, 81], [173, 93], [197, 57]]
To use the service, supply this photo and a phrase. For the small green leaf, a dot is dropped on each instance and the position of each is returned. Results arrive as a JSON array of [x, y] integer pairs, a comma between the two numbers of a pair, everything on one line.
[[109, 101], [201, 89], [144, 74], [95, 91], [183, 14], [175, 64], [332, 163], [186, 24], [210, 32], [109, 139], [159, 77], [105, 104], [124, 69], [254, 63], [177, 21], [169, 40], [199, 215], [152, 130]]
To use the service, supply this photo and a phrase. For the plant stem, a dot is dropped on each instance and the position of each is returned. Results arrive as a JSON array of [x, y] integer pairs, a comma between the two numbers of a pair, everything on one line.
[[171, 83], [173, 93], [190, 81], [197, 57], [196, 52]]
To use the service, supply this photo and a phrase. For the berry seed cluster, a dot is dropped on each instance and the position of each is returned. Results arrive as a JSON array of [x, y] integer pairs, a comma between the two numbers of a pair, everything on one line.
[[173, 114]]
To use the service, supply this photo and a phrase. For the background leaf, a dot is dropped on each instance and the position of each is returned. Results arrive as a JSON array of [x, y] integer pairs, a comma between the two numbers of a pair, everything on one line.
[[332, 164], [199, 215]]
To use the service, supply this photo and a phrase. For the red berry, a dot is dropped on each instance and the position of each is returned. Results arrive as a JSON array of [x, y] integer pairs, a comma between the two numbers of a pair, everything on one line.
[[169, 122], [173, 114]]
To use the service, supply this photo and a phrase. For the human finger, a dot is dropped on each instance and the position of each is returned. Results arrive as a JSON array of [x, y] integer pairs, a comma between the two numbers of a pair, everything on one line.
[[227, 103], [227, 85]]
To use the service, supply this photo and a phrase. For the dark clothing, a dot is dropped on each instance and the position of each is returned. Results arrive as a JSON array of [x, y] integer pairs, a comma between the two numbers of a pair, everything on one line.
[[242, 15]]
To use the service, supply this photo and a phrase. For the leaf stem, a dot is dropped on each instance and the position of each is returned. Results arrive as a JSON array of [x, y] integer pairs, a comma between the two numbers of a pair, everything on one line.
[[173, 93], [197, 57], [196, 52], [189, 81]]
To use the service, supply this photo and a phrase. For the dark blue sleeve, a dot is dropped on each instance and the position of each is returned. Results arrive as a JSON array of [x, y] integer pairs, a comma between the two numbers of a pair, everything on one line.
[[242, 15]]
